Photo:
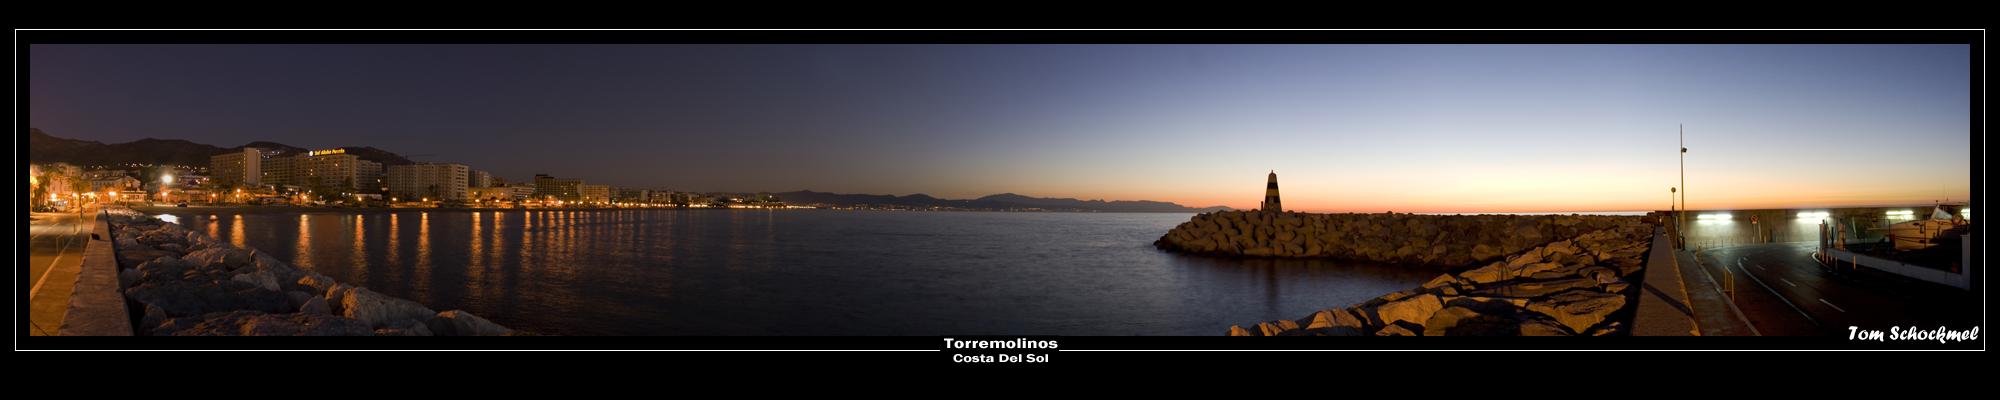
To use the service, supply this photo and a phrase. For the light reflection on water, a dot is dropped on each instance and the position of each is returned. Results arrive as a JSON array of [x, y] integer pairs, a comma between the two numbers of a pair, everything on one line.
[[809, 272]]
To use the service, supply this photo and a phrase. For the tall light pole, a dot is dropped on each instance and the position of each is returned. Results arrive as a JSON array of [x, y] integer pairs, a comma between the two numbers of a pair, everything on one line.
[[166, 183], [1684, 178]]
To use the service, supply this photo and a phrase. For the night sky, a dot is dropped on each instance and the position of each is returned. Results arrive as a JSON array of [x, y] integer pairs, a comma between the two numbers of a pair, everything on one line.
[[1348, 128]]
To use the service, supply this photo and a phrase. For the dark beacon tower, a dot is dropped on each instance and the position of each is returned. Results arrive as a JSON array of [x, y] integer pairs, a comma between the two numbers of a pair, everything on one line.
[[1271, 203]]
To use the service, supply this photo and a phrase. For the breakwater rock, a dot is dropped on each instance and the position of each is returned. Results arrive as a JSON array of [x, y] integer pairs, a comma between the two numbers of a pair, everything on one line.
[[184, 283], [1444, 240], [1578, 286]]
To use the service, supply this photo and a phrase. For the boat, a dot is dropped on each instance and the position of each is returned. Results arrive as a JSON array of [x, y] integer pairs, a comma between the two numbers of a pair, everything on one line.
[[1921, 233]]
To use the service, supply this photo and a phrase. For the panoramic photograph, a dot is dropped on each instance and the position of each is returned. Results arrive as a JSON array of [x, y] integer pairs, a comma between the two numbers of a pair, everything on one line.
[[1009, 199]]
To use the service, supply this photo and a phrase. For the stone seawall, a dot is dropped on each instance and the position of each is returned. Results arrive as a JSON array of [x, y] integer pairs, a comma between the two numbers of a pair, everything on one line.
[[184, 283], [1572, 287], [1444, 240]]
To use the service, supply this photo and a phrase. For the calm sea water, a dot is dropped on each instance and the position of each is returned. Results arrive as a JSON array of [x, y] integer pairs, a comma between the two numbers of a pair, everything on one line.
[[804, 272]]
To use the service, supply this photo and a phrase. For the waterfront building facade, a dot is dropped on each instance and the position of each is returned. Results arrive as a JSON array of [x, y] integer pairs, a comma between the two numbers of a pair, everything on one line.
[[237, 169], [593, 193], [480, 179], [550, 188], [491, 194], [437, 182]]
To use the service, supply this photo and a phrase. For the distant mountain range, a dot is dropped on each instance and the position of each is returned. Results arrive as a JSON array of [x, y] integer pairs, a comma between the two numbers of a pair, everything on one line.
[[1003, 201], [43, 147]]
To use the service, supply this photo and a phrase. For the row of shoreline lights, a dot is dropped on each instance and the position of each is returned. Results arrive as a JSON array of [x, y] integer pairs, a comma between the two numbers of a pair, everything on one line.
[[1713, 218], [1819, 215]]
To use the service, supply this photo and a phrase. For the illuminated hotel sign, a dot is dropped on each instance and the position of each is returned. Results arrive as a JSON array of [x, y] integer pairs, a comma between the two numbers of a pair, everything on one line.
[[325, 152]]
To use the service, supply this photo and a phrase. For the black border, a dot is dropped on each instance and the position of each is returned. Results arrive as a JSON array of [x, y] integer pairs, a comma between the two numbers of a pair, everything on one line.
[[26, 38], [1010, 37]]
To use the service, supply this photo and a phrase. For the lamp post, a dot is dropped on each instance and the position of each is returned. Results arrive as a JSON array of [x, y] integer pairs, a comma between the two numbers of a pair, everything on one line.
[[1684, 174], [166, 184]]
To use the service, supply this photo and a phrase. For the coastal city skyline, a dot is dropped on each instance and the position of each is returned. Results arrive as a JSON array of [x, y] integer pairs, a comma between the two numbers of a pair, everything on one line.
[[960, 197], [1352, 128]]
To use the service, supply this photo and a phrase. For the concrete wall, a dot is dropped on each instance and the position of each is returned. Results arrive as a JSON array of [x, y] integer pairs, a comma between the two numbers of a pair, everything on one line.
[[1962, 279], [97, 304]]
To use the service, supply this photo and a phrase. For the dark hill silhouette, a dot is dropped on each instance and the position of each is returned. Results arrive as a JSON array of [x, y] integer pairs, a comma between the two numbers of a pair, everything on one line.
[[43, 147]]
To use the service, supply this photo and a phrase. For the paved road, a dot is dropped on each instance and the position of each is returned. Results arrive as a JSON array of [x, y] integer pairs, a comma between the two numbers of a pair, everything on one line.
[[55, 254], [1783, 291]]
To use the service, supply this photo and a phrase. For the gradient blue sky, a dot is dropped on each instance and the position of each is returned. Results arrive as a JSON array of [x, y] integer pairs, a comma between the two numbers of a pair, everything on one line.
[[1419, 128]]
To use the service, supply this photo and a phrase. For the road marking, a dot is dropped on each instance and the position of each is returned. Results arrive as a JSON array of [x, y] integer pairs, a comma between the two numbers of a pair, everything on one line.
[[1760, 267], [1788, 282], [1830, 304], [66, 240], [1781, 296]]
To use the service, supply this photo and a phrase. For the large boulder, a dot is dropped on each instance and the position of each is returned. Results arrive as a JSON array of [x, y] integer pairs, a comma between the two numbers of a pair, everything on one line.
[[315, 306], [262, 279], [160, 269], [1336, 318], [1400, 329], [316, 283], [413, 329], [1443, 281], [230, 258], [179, 298], [1529, 289], [380, 310], [1274, 328], [299, 298], [461, 323], [133, 257], [152, 317], [1414, 309], [1516, 262], [1464, 321], [1237, 330], [1542, 327], [252, 323], [1578, 309], [1495, 272], [1532, 269]]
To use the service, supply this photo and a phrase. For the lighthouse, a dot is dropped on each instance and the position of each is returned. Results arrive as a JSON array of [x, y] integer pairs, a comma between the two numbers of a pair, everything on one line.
[[1271, 203]]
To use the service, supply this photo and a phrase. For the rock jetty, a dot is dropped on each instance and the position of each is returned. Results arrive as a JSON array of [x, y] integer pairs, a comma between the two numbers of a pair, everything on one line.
[[1573, 287], [184, 283], [1442, 240]]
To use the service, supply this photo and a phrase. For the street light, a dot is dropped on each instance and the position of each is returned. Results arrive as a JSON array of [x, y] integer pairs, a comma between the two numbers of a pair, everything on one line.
[[166, 184], [1684, 173]]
